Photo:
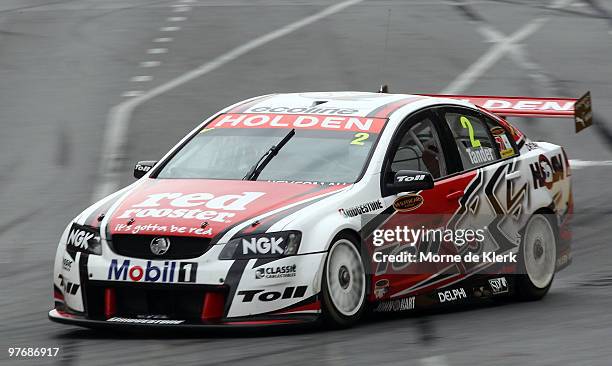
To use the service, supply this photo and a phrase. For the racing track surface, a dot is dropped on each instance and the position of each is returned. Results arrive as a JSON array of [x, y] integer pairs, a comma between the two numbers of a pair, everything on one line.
[[64, 64]]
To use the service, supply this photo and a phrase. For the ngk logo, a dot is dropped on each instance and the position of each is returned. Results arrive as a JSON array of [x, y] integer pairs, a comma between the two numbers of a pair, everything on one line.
[[262, 245], [79, 238], [169, 272]]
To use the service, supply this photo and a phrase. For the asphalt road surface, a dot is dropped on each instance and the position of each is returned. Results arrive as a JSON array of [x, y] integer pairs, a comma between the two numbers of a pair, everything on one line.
[[65, 64]]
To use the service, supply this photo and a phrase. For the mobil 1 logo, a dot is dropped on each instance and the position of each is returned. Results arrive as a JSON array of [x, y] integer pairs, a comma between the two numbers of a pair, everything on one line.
[[154, 272]]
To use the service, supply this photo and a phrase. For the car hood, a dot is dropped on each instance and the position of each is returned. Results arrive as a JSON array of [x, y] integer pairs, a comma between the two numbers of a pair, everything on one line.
[[206, 208]]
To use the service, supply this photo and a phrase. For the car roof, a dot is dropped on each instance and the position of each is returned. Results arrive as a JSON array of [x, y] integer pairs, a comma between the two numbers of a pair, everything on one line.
[[362, 104]]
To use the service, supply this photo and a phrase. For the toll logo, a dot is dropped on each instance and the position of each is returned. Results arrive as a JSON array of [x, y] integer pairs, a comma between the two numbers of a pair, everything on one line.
[[169, 272], [267, 296], [409, 178]]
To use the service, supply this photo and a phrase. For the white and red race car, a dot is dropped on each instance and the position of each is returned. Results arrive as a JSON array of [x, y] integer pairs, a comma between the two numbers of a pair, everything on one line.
[[293, 208]]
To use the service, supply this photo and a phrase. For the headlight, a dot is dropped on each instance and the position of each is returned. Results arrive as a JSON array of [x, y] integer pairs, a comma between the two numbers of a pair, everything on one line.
[[84, 239], [268, 245]]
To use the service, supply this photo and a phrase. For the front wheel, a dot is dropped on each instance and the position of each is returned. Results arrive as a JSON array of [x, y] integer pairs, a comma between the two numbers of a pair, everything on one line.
[[539, 256], [344, 284]]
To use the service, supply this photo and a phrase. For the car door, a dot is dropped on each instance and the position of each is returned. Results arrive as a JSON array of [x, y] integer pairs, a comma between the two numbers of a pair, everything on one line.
[[423, 142], [470, 158]]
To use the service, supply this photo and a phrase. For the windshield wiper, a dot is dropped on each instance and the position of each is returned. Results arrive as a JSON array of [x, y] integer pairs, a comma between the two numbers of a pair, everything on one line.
[[256, 169]]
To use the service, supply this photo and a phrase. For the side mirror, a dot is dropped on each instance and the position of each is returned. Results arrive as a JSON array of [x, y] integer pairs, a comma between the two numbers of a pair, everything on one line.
[[409, 181], [142, 167]]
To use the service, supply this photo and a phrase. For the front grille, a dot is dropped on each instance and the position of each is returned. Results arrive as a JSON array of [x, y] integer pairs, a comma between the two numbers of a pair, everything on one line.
[[143, 300], [170, 304], [139, 246]]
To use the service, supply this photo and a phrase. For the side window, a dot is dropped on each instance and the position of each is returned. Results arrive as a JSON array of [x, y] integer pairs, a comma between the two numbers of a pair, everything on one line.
[[478, 139], [419, 149]]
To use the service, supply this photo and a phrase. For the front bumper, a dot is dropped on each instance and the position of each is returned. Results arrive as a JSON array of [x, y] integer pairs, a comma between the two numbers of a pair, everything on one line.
[[93, 291], [135, 324]]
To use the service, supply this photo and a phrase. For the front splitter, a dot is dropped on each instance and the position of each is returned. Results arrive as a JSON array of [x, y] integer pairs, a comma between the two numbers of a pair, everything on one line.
[[134, 324]]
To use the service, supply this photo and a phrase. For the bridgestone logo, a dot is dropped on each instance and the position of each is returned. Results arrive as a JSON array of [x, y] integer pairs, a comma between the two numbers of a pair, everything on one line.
[[361, 209], [145, 321]]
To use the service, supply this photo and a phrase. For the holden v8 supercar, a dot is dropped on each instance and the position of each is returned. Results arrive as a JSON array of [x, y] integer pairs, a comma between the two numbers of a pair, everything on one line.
[[264, 213]]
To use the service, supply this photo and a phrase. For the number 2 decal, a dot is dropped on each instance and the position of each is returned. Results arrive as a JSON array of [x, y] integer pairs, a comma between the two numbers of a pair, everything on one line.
[[467, 124], [360, 137]]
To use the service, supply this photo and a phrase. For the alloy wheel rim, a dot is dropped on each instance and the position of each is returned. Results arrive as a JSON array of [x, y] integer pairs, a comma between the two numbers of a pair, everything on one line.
[[539, 252], [345, 278]]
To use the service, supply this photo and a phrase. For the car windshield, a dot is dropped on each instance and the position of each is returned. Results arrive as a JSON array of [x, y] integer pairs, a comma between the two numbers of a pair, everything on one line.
[[313, 155]]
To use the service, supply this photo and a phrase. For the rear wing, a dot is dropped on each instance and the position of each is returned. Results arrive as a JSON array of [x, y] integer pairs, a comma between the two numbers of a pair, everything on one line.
[[579, 109]]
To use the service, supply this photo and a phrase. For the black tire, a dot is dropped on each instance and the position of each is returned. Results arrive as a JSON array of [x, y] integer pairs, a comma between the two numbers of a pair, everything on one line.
[[337, 314], [538, 256]]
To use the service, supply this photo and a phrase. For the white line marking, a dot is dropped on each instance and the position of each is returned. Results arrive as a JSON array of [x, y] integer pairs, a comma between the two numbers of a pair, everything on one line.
[[187, 1], [169, 29], [156, 51], [182, 9], [176, 19], [518, 53], [163, 40], [113, 146], [141, 78], [440, 360], [132, 93], [491, 57], [579, 164], [150, 63]]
